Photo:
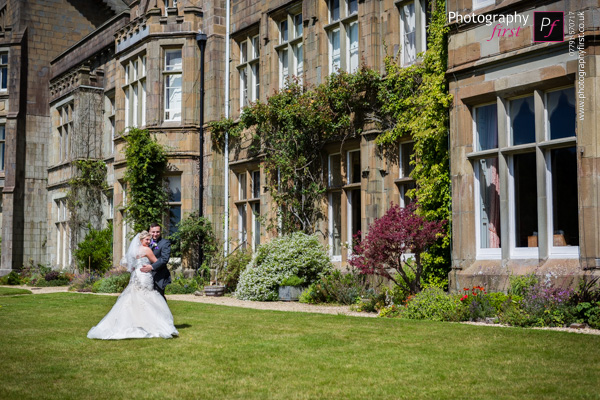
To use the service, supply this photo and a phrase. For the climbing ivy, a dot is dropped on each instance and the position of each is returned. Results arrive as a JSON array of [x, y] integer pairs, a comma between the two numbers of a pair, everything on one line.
[[84, 197], [147, 194]]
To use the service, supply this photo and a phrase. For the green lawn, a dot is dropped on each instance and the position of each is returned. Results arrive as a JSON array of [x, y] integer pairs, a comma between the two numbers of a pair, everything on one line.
[[5, 291], [235, 353]]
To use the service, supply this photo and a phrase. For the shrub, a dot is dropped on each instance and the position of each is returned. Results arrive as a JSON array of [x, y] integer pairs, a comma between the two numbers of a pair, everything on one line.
[[12, 279], [192, 233], [95, 251], [297, 254], [477, 303], [237, 262], [519, 284], [111, 283], [292, 281], [336, 287], [398, 232], [182, 285], [83, 282], [433, 304]]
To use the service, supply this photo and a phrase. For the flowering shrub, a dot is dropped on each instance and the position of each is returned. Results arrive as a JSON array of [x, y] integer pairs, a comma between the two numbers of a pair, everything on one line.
[[297, 254], [398, 232], [477, 303], [432, 303]]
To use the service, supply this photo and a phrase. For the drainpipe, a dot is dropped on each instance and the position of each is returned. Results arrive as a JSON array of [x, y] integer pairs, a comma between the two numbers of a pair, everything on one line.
[[201, 38], [226, 155]]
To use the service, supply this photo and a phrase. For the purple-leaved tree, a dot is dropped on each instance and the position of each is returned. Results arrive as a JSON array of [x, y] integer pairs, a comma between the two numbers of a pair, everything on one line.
[[398, 232]]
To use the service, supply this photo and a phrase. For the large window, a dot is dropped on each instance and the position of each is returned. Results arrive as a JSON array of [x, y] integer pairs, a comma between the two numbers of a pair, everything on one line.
[[353, 195], [63, 252], [249, 70], [248, 204], [405, 182], [172, 75], [412, 30], [334, 185], [290, 51], [343, 34], [540, 172], [174, 202], [135, 91], [64, 131]]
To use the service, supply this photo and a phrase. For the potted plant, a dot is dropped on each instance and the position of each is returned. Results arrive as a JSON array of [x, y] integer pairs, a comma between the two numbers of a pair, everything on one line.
[[291, 288]]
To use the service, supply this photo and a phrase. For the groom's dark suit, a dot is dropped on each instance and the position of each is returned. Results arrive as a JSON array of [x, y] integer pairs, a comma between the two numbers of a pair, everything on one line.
[[161, 274]]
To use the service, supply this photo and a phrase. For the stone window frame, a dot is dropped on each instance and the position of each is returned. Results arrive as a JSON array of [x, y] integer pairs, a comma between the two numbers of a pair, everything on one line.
[[290, 44], [64, 112], [334, 188], [404, 182], [420, 15], [3, 70], [342, 25], [134, 73], [249, 67], [505, 152], [63, 234], [167, 73]]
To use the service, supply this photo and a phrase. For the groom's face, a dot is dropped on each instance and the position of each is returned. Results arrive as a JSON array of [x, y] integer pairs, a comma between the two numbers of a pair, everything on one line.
[[155, 232]]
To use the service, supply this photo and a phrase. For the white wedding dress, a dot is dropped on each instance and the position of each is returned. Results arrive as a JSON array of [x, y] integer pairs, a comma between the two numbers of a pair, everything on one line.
[[140, 311]]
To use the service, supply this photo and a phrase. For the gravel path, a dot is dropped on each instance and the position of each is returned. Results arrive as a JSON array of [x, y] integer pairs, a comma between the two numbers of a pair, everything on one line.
[[281, 306]]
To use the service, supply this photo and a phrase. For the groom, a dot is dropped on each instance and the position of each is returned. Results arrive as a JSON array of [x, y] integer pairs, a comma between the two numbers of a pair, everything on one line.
[[162, 250]]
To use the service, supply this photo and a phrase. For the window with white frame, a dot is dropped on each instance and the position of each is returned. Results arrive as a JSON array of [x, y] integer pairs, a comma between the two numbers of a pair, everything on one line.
[[255, 225], [541, 172], [406, 165], [109, 107], [2, 147], [110, 206], [3, 71], [174, 202], [290, 48], [334, 185], [134, 90], [63, 252], [64, 130], [249, 69], [343, 34], [412, 30], [172, 75]]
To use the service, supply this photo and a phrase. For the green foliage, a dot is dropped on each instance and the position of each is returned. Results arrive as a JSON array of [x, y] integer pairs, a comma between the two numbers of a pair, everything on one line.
[[83, 282], [112, 283], [297, 254], [336, 287], [95, 251], [13, 278], [183, 285], [433, 304], [520, 284], [192, 233], [292, 281], [147, 196], [236, 262]]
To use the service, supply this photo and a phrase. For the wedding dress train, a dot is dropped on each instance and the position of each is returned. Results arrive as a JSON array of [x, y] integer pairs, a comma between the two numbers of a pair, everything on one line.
[[140, 311]]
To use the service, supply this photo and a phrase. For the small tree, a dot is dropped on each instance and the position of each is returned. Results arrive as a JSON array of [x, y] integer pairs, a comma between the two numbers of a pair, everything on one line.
[[192, 233], [398, 232], [95, 251]]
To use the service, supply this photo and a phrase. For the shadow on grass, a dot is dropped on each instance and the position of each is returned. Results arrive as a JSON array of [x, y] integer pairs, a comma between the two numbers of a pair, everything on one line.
[[183, 326]]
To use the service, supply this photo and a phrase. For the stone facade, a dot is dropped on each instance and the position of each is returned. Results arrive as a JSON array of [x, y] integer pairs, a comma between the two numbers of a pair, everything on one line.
[[524, 146]]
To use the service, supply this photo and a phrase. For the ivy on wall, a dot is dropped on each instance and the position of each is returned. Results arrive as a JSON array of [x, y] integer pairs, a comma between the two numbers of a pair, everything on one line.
[[147, 194], [290, 130]]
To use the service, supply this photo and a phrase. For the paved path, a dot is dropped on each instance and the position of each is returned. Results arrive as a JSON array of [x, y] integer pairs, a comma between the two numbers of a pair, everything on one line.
[[276, 306]]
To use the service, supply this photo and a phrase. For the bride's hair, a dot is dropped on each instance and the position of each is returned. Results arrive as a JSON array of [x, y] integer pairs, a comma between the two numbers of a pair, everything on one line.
[[144, 234]]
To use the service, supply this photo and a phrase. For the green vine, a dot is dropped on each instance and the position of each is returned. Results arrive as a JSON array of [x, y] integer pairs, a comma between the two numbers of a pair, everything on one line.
[[84, 197], [147, 194]]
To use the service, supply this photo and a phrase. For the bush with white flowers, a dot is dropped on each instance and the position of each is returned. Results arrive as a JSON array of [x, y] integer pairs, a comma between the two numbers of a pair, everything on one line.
[[296, 254]]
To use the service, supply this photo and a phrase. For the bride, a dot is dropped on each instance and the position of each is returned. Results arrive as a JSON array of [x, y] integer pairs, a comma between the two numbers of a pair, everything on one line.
[[140, 311]]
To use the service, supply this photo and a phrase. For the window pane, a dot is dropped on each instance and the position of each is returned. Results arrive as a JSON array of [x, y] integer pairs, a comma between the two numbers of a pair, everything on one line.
[[2, 164], [256, 79], [352, 6], [353, 45], [406, 151], [335, 50], [175, 217], [173, 97], [298, 26], [283, 59], [299, 60], [335, 170], [522, 121], [173, 61], [408, 31], [561, 113], [244, 87], [4, 58], [283, 30], [255, 184], [355, 204], [255, 47], [174, 188], [564, 197], [255, 225], [242, 232], [242, 186], [489, 203], [336, 223], [354, 167], [525, 188], [243, 52], [486, 123], [4, 77], [334, 10]]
